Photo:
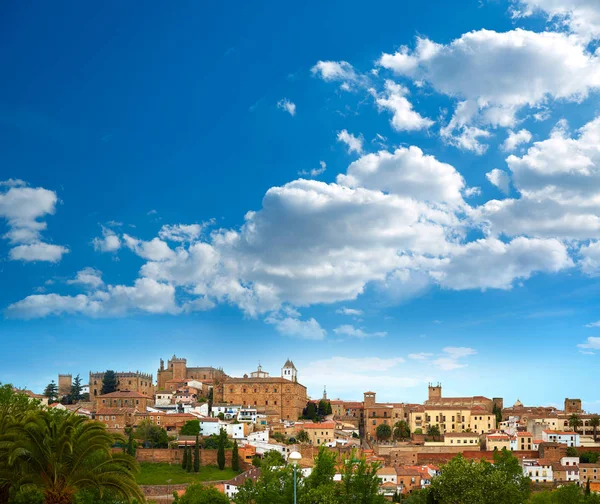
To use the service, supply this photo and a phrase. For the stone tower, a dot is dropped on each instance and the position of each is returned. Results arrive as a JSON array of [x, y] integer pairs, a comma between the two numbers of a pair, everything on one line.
[[435, 391], [573, 406], [179, 367], [369, 400], [64, 384], [289, 371]]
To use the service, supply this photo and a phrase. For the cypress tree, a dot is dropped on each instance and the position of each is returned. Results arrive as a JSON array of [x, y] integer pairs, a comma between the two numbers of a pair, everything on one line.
[[587, 488], [109, 382], [197, 456], [235, 459], [184, 458], [190, 464], [221, 454]]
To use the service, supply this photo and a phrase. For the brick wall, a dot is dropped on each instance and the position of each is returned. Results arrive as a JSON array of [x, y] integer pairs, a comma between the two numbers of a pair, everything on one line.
[[174, 456], [440, 458]]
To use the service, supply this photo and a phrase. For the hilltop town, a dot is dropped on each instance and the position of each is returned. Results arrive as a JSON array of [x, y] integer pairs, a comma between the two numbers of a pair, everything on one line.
[[264, 413]]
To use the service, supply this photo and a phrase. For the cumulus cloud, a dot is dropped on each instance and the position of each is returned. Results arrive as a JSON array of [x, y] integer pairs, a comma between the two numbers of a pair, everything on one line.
[[501, 73], [500, 179], [404, 117], [291, 326], [516, 138], [592, 343], [88, 277], [182, 232], [354, 332], [353, 144], [153, 250], [38, 251], [593, 324], [287, 106], [24, 209], [590, 259], [145, 295], [420, 356], [109, 242], [559, 183], [580, 16], [491, 263]]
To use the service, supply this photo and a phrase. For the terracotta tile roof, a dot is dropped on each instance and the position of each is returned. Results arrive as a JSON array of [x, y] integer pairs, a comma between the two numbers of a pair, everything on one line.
[[461, 434], [386, 471], [524, 434], [322, 425]]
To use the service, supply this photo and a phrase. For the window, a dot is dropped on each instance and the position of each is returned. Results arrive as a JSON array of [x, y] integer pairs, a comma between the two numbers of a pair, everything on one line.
[[374, 422], [275, 390]]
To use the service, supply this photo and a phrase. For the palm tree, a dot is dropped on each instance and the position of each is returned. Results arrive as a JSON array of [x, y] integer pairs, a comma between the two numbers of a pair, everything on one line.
[[575, 421], [401, 430], [595, 422], [61, 453]]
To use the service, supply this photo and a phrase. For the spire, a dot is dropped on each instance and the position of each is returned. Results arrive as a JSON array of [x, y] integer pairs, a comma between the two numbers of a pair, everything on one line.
[[325, 392]]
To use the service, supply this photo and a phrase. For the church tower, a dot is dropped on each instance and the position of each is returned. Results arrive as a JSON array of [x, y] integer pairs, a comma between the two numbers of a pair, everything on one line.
[[289, 371]]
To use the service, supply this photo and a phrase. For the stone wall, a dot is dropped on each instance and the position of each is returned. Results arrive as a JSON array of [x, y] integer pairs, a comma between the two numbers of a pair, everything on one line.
[[174, 456]]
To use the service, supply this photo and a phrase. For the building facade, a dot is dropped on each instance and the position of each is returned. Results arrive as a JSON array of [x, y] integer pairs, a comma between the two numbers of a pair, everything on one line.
[[283, 396], [134, 381], [178, 371]]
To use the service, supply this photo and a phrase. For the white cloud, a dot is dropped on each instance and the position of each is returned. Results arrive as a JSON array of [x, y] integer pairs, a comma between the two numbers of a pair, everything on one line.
[[592, 343], [404, 118], [472, 191], [353, 144], [349, 311], [420, 356], [339, 71], [406, 172], [350, 330], [24, 209], [500, 74], [516, 138], [580, 16], [500, 179], [292, 326], [11, 182], [491, 264], [182, 232], [288, 106], [38, 251], [593, 324], [590, 259], [109, 242], [89, 277], [559, 183], [153, 250], [145, 295], [450, 358], [314, 172]]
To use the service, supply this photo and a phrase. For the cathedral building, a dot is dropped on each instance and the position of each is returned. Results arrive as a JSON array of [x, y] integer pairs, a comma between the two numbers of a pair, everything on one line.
[[177, 371]]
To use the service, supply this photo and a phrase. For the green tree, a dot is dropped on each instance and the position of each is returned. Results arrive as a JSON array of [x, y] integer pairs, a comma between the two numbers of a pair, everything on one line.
[[359, 482], [76, 388], [221, 450], [131, 444], [310, 412], [324, 408], [235, 457], [575, 421], [221, 416], [595, 423], [324, 470], [273, 458], [434, 432], [189, 462], [571, 451], [14, 407], [418, 432], [303, 437], [152, 436], [184, 457], [479, 482], [61, 453], [201, 494], [109, 382], [197, 455], [496, 410], [383, 432], [51, 392], [190, 428], [401, 430], [588, 490]]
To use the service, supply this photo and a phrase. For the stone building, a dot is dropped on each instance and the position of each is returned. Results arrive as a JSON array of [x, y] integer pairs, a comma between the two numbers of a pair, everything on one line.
[[124, 399], [376, 414], [281, 395], [65, 381], [573, 406], [178, 371], [127, 380]]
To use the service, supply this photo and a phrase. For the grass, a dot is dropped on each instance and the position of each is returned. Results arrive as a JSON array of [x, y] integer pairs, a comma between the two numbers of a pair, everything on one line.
[[158, 474]]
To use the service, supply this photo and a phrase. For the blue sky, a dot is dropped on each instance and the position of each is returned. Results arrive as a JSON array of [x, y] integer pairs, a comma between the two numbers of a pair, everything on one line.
[[388, 195]]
